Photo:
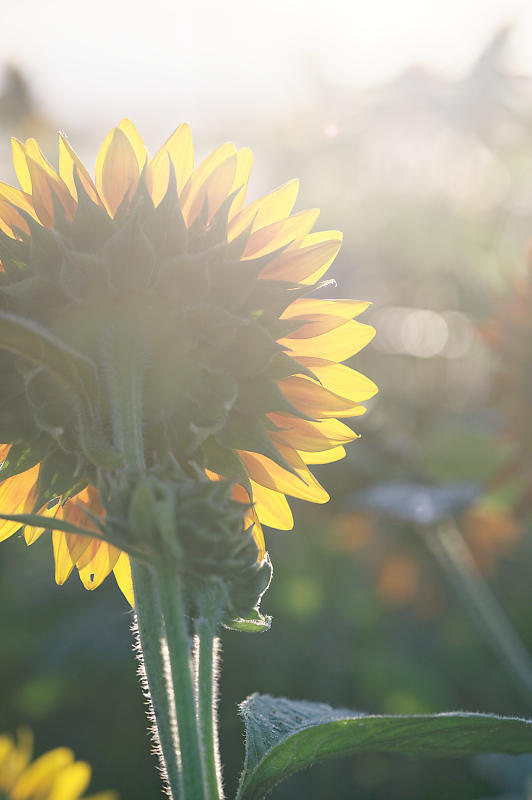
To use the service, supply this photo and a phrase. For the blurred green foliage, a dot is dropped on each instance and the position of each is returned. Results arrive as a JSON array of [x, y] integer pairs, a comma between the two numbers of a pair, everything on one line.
[[431, 182]]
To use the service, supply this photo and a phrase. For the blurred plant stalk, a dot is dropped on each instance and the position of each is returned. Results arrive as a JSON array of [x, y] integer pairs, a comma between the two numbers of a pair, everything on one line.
[[450, 548]]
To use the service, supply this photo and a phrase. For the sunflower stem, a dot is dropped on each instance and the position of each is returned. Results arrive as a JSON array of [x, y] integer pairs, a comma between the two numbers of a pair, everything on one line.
[[211, 603], [123, 369], [195, 785], [154, 660]]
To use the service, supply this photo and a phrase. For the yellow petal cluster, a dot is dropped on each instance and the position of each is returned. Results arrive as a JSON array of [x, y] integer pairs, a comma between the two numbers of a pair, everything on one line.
[[53, 776]]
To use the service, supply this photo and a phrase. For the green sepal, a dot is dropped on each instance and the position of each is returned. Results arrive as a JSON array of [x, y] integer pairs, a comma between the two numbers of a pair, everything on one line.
[[23, 456], [165, 225], [252, 352], [35, 343], [15, 255], [91, 222], [59, 474], [245, 432], [285, 736], [225, 462], [261, 395], [129, 256], [255, 623]]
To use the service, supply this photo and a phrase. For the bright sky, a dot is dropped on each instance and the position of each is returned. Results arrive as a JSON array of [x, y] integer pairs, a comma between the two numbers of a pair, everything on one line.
[[97, 60]]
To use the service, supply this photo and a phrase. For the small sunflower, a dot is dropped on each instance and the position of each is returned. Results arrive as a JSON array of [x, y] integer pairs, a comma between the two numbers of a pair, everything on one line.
[[53, 776], [238, 355]]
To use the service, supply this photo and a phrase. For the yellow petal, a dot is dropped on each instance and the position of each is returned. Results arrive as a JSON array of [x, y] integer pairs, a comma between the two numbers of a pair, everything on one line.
[[68, 548], [43, 188], [336, 345], [266, 210], [122, 573], [17, 496], [278, 234], [18, 198], [324, 456], [116, 171], [272, 508], [244, 163], [346, 382], [68, 162], [215, 189], [194, 191], [180, 150], [38, 778], [316, 401], [269, 474], [304, 264], [135, 140], [301, 434], [158, 176], [21, 167], [97, 561], [320, 316], [70, 782], [251, 518]]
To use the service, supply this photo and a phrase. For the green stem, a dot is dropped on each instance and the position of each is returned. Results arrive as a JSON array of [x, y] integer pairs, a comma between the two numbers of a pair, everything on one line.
[[211, 601], [179, 645], [153, 656], [454, 555], [123, 369]]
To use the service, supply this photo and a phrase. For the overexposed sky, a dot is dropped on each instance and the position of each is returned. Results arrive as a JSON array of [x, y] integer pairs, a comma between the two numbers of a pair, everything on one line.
[[158, 59]]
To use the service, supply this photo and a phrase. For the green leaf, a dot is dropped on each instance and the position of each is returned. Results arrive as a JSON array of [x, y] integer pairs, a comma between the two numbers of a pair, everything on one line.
[[285, 736]]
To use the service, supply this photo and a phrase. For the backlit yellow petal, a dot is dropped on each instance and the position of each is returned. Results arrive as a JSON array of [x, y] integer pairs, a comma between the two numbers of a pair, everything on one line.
[[70, 162], [279, 234], [97, 561], [194, 191], [304, 264], [17, 496], [116, 171], [301, 434], [272, 508], [335, 345], [122, 573], [323, 456], [135, 140], [21, 167], [320, 316], [316, 401], [70, 782], [181, 152], [269, 474], [271, 208], [346, 382], [244, 163]]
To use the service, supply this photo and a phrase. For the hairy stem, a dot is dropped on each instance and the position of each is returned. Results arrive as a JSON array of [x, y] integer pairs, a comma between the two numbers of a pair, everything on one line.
[[153, 654], [179, 646], [211, 602]]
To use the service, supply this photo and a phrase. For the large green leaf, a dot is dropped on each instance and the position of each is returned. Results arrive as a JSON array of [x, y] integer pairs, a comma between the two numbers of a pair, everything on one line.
[[285, 736]]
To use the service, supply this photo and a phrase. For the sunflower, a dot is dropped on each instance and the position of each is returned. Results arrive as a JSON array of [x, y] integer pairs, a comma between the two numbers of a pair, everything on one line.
[[215, 303], [53, 776]]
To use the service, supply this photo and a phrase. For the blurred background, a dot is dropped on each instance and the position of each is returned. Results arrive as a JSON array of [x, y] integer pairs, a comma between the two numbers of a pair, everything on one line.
[[410, 125]]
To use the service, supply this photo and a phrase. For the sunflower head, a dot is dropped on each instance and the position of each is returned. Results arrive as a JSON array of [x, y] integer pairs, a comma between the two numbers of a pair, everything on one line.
[[155, 290]]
